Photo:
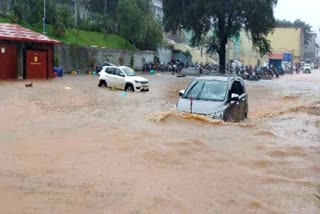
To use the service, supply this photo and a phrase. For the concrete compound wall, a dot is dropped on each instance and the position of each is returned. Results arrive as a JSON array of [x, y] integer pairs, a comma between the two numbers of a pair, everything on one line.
[[81, 58]]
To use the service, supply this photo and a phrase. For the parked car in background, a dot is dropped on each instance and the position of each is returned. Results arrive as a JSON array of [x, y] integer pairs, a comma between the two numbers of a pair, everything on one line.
[[307, 68], [235, 64], [222, 98], [312, 65], [123, 78], [99, 65]]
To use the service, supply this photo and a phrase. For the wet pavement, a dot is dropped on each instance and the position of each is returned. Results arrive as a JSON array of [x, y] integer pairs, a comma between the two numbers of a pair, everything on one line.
[[96, 150]]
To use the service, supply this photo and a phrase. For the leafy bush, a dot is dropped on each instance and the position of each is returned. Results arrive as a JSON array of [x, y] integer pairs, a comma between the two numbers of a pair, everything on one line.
[[59, 29], [98, 23]]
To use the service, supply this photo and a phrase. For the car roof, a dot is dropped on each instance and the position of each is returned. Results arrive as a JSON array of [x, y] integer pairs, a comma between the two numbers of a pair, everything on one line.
[[220, 78], [114, 66], [123, 67], [109, 66]]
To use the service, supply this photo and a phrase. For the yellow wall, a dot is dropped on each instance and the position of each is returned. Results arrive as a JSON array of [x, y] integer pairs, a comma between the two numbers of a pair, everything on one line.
[[282, 40], [287, 40], [248, 55]]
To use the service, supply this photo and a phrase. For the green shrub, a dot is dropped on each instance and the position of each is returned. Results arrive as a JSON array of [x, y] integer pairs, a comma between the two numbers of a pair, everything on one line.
[[59, 29]]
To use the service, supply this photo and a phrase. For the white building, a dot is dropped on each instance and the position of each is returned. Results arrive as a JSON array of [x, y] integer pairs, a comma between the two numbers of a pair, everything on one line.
[[158, 9]]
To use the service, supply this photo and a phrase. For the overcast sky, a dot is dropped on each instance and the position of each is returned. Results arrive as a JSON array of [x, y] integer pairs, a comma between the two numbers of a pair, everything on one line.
[[306, 10]]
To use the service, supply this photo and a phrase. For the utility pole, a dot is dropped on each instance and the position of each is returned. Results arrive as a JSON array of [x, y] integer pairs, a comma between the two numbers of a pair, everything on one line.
[[44, 18]]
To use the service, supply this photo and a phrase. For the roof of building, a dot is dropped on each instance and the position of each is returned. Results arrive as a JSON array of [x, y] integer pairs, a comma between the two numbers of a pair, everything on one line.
[[15, 32]]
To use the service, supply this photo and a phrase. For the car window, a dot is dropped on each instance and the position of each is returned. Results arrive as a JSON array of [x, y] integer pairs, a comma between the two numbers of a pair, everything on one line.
[[207, 90], [118, 72], [110, 71], [194, 90], [129, 72], [237, 88], [214, 90], [244, 87]]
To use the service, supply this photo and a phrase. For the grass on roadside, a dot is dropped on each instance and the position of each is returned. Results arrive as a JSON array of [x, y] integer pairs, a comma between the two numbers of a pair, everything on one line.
[[80, 37]]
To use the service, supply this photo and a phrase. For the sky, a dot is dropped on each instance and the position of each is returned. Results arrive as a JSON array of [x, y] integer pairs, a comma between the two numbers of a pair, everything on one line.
[[306, 10]]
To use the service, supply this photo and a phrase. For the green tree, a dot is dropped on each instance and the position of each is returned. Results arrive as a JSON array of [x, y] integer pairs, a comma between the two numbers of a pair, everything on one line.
[[129, 20], [62, 21], [4, 6], [137, 23], [16, 11], [297, 24], [145, 6], [52, 10], [152, 35], [226, 18], [104, 7], [31, 11]]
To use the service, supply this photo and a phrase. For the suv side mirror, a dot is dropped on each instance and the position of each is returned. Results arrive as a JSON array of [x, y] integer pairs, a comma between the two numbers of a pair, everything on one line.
[[121, 75], [181, 93], [235, 97]]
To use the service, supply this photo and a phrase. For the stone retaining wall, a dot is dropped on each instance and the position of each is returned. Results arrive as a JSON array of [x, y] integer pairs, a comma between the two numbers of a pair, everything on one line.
[[82, 58]]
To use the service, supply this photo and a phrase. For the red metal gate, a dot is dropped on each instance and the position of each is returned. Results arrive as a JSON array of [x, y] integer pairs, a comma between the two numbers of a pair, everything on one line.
[[8, 62], [37, 67]]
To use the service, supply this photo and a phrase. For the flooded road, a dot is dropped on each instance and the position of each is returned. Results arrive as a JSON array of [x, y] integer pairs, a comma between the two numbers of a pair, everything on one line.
[[93, 150]]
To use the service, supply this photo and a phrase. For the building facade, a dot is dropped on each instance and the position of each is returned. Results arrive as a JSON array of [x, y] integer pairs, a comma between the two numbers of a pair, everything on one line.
[[25, 54], [283, 40], [289, 40], [310, 49]]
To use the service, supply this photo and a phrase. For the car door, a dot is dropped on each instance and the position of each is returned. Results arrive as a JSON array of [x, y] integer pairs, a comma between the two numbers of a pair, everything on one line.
[[233, 112], [243, 101], [120, 80], [110, 77]]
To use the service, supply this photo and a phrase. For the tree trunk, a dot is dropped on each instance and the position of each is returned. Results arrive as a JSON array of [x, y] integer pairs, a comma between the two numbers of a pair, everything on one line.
[[222, 58], [223, 39]]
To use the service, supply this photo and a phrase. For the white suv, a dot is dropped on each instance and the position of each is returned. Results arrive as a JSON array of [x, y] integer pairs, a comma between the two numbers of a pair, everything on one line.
[[307, 68], [122, 78]]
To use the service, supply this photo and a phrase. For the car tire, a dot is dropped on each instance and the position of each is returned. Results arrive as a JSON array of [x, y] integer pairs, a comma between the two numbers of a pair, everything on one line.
[[129, 88], [102, 83]]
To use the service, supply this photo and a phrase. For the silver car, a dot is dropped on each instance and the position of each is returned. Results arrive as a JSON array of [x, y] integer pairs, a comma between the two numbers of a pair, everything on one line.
[[222, 98]]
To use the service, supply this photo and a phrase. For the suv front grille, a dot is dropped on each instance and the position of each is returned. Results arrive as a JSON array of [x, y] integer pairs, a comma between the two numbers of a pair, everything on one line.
[[144, 83]]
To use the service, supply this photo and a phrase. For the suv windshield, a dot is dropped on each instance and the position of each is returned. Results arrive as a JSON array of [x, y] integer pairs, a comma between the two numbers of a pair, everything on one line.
[[129, 72], [207, 90]]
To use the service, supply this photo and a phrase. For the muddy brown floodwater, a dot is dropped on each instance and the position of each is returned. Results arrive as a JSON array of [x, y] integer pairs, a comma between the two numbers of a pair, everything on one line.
[[92, 150]]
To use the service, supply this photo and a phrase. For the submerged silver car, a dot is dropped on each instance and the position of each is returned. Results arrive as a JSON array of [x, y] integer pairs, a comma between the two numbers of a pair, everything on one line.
[[218, 97]]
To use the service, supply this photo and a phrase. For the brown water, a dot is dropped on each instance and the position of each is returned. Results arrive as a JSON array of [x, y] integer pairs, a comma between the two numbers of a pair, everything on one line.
[[91, 150]]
